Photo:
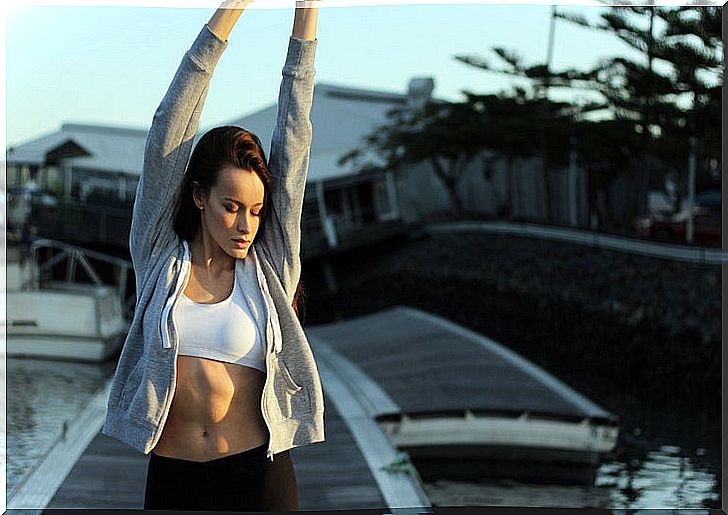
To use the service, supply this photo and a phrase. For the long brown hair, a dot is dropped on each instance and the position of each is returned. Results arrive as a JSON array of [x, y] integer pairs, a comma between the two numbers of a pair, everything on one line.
[[218, 148], [228, 145], [299, 302]]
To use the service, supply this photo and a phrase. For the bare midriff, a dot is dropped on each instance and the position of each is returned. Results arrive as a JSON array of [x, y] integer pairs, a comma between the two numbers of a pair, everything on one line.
[[215, 407], [215, 411]]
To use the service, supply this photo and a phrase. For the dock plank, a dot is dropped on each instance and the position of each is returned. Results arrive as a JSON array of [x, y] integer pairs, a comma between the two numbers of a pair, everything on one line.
[[331, 475], [424, 365]]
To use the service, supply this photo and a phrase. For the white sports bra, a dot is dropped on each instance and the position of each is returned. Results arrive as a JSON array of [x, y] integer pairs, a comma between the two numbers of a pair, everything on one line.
[[229, 330]]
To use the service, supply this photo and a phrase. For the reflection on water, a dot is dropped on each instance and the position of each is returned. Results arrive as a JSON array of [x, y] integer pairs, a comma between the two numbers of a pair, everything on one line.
[[664, 478], [41, 395]]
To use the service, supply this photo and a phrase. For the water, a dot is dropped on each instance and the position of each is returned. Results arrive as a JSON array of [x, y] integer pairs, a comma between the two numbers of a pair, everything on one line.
[[666, 478], [41, 395]]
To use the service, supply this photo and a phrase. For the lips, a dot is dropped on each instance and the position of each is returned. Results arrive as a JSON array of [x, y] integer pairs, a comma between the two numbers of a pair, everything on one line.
[[241, 242]]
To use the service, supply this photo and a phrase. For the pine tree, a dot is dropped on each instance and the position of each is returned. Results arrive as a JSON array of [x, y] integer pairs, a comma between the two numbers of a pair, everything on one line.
[[648, 102], [692, 44]]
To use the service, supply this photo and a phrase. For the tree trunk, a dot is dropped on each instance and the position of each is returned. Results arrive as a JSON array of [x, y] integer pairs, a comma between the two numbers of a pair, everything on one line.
[[450, 181]]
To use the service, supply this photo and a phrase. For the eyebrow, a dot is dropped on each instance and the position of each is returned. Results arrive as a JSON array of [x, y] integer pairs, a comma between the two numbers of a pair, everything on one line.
[[238, 202]]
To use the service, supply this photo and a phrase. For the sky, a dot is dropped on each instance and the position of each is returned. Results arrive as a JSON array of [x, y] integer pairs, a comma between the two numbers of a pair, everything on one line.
[[112, 65]]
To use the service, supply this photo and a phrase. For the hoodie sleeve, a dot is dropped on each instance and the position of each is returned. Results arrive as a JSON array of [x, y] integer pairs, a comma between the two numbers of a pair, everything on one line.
[[288, 163], [168, 148]]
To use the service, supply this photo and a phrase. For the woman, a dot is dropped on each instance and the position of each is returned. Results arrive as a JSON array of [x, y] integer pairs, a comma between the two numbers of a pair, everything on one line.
[[216, 378]]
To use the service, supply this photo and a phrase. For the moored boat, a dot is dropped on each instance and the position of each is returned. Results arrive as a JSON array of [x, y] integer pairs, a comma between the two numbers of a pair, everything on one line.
[[66, 320]]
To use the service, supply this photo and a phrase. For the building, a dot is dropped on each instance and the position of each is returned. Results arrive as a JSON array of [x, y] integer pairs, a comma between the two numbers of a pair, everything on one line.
[[80, 163], [92, 171], [341, 203], [343, 207], [80, 160]]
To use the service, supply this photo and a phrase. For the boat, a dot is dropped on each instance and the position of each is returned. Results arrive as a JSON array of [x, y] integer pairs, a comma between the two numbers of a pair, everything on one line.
[[524, 446], [63, 319], [463, 406]]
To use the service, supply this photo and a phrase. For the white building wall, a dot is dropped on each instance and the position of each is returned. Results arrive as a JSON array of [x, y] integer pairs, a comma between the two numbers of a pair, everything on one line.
[[421, 192]]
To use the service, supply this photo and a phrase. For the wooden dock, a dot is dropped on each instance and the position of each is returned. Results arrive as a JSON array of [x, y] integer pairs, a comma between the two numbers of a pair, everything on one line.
[[356, 467], [389, 379], [331, 475]]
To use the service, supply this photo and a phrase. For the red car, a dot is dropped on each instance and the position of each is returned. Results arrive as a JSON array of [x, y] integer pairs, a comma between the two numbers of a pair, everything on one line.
[[673, 227]]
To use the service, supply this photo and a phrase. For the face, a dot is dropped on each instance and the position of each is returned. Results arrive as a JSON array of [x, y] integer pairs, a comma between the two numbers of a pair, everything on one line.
[[232, 209]]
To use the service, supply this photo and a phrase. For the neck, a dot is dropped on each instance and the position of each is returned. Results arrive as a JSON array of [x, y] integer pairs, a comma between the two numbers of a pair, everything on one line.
[[207, 255]]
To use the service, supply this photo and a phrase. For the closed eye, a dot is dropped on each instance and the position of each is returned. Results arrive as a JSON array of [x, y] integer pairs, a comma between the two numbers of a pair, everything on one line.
[[230, 209]]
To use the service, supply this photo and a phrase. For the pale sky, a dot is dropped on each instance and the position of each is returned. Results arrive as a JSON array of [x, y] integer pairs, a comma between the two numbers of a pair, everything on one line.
[[112, 65]]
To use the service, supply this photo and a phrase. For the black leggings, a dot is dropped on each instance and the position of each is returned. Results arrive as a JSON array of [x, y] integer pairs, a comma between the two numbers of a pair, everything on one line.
[[245, 481]]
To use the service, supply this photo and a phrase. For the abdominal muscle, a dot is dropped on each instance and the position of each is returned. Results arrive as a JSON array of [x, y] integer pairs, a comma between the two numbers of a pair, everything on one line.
[[215, 411]]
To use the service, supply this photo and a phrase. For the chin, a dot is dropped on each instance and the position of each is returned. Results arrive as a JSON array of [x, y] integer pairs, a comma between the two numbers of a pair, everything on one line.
[[237, 253]]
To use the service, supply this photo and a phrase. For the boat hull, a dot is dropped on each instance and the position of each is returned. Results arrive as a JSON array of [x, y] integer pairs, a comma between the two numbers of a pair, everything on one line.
[[80, 324]]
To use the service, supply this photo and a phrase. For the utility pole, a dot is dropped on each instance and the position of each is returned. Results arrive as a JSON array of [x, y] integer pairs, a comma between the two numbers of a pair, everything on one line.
[[691, 189], [547, 84]]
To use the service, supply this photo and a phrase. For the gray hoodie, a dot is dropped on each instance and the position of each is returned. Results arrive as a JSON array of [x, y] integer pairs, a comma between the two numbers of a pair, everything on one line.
[[141, 393]]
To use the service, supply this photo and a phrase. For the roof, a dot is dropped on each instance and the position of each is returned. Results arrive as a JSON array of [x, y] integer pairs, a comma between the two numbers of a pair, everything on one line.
[[101, 147], [341, 117]]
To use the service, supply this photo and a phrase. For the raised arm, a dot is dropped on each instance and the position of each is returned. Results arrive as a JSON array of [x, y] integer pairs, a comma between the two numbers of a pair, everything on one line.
[[289, 152], [169, 141]]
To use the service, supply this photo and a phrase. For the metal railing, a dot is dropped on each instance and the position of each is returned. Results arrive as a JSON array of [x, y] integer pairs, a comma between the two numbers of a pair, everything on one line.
[[702, 255], [77, 256]]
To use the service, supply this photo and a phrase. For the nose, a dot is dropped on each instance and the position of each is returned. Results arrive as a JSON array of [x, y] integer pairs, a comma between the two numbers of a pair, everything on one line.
[[244, 223]]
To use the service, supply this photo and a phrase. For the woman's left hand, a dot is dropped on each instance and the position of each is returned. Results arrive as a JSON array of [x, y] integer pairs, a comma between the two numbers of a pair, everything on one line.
[[305, 20]]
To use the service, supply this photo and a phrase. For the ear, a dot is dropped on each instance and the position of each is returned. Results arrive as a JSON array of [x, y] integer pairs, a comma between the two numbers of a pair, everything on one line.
[[199, 195]]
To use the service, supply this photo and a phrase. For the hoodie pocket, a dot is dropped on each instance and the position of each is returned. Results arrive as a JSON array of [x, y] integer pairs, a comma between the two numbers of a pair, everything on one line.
[[293, 399]]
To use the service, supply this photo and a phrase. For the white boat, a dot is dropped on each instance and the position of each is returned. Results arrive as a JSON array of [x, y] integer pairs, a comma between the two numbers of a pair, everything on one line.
[[528, 447], [63, 320]]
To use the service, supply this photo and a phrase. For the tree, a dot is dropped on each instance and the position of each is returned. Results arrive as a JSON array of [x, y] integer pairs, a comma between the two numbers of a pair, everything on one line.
[[631, 91], [522, 126], [650, 127], [691, 44], [646, 127], [444, 135], [538, 100], [448, 136]]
